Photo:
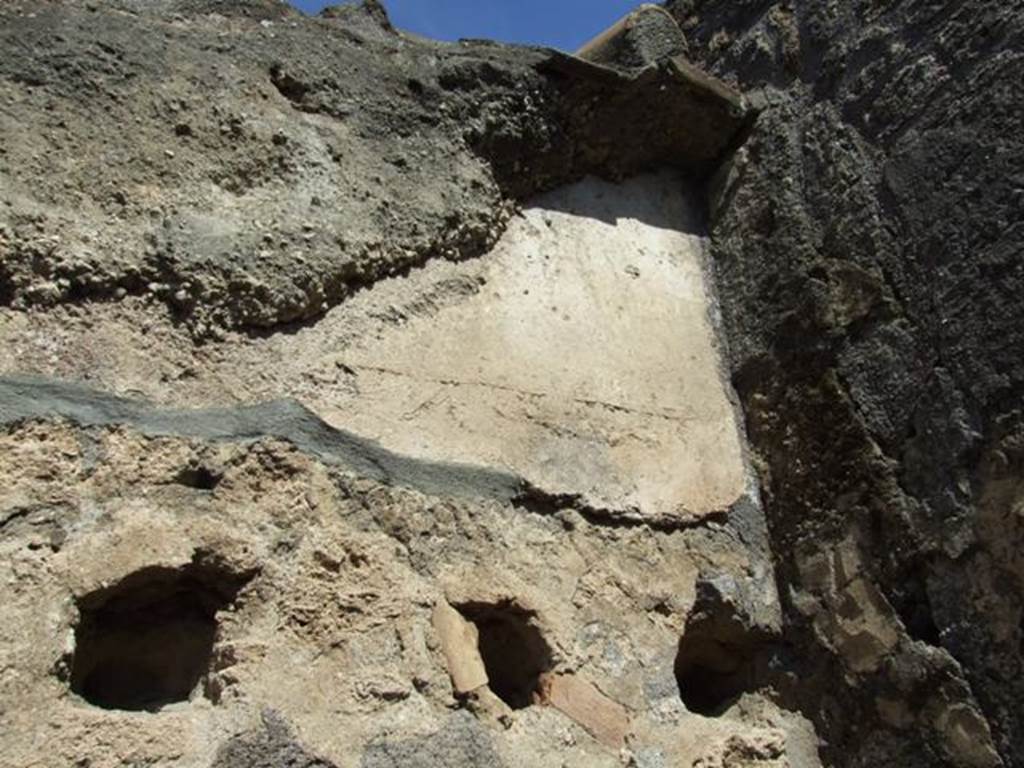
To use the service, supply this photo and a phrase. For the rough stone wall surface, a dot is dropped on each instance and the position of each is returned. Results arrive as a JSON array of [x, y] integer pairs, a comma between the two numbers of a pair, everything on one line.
[[349, 419], [867, 249], [579, 353], [372, 401], [250, 167]]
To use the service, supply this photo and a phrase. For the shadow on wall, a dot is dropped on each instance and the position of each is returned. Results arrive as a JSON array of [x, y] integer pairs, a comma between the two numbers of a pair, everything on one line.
[[630, 199]]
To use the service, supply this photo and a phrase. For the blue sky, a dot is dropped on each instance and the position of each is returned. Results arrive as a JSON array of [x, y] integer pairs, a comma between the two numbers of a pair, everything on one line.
[[564, 24]]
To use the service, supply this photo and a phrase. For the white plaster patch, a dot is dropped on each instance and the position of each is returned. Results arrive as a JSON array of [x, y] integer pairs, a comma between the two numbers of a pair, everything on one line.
[[585, 362]]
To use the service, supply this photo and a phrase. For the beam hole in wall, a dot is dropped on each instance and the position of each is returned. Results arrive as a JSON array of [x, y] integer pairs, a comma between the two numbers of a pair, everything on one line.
[[512, 648], [711, 674], [147, 640], [915, 609], [198, 476], [716, 662]]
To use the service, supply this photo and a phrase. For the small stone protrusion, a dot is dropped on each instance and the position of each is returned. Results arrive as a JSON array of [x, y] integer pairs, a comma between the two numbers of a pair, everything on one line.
[[646, 36]]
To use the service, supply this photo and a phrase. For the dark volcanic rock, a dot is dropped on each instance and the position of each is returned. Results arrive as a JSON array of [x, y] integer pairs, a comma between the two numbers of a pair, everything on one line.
[[867, 245], [273, 747], [462, 742]]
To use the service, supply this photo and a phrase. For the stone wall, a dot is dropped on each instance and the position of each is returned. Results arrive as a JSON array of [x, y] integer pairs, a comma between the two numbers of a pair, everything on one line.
[[372, 401], [867, 250], [363, 402]]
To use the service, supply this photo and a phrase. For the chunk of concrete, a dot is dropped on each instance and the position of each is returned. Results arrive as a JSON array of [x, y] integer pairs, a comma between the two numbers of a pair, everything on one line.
[[647, 35]]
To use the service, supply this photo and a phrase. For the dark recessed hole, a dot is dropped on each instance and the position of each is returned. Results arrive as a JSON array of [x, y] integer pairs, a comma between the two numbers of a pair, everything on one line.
[[711, 674], [920, 623], [915, 609], [199, 477], [512, 648], [720, 656], [147, 640], [292, 89]]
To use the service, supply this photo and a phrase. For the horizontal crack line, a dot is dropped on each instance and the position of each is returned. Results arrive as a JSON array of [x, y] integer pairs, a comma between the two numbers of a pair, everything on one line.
[[666, 414], [547, 504]]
